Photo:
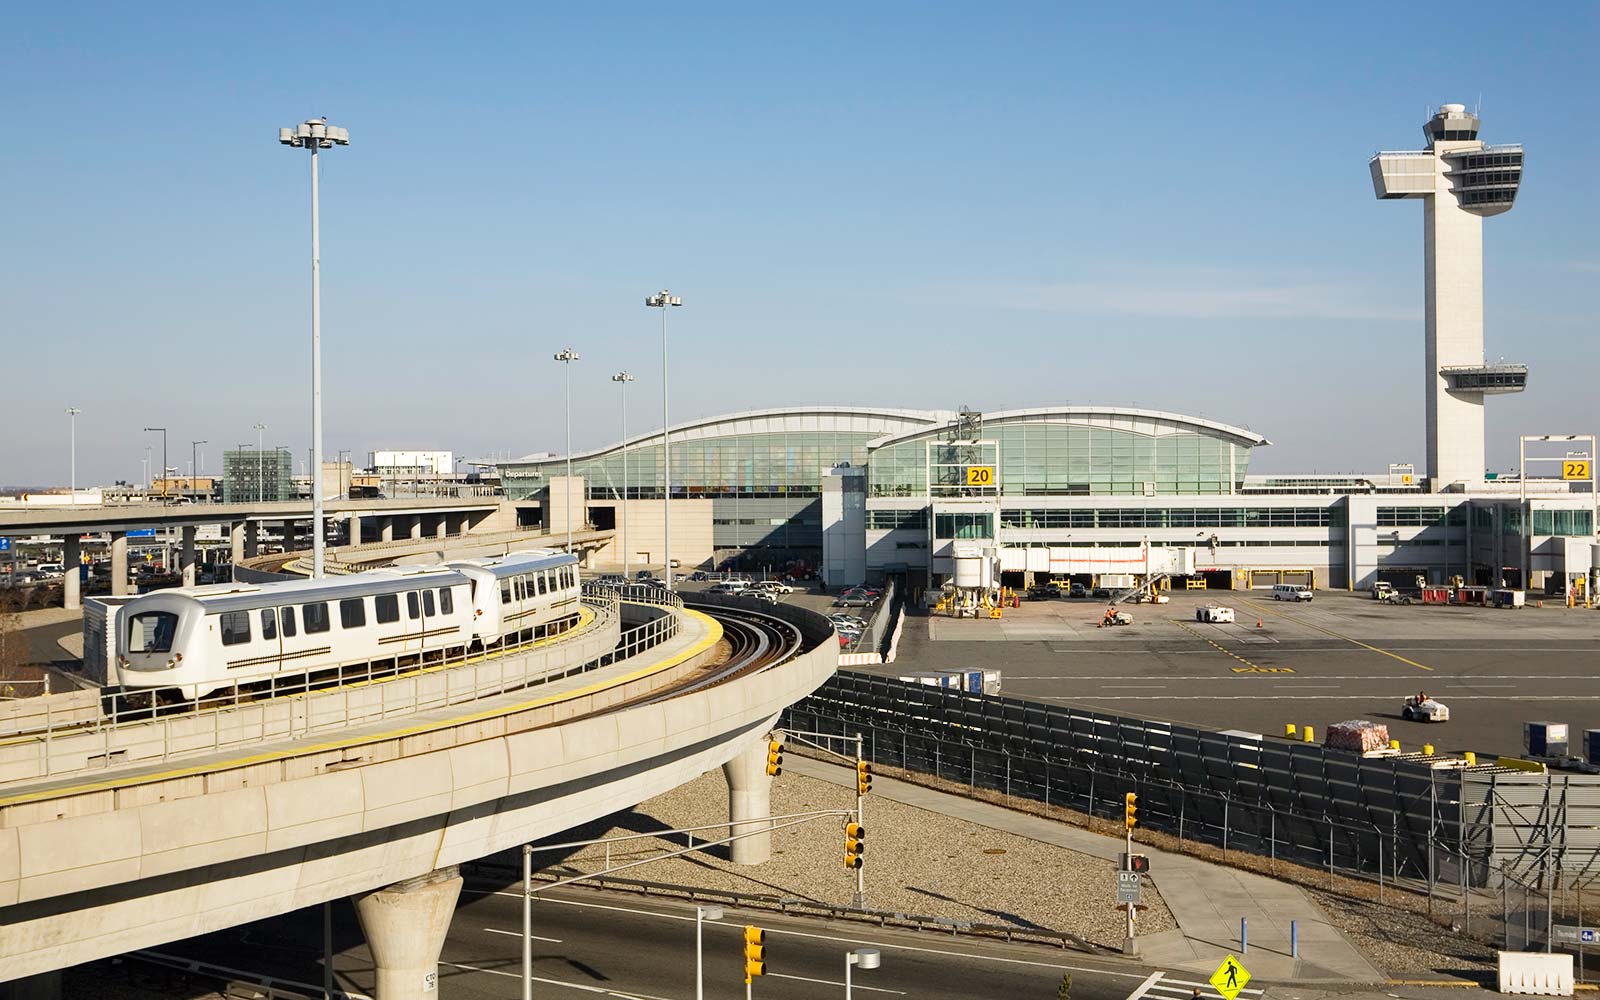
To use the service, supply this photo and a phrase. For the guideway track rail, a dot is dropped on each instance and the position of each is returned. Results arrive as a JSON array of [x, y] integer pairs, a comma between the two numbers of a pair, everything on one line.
[[757, 640]]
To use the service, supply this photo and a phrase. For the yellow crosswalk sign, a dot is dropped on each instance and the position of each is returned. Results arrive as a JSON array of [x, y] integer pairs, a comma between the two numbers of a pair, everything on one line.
[[1230, 978]]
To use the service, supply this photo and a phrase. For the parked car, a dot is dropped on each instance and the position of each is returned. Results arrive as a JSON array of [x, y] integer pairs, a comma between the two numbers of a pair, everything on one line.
[[643, 575], [1043, 593], [842, 620], [699, 576], [776, 586], [729, 587], [1078, 590], [613, 580], [1101, 593], [853, 601], [761, 595]]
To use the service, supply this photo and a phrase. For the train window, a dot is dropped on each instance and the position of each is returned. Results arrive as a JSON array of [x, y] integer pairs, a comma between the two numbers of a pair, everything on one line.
[[316, 617], [352, 612], [505, 591], [235, 627], [541, 583], [286, 616], [152, 632], [522, 588], [412, 610], [447, 601], [269, 623], [427, 603], [387, 608]]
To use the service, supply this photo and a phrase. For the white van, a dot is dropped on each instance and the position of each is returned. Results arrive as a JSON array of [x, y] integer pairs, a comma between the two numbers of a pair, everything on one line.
[[1291, 592]]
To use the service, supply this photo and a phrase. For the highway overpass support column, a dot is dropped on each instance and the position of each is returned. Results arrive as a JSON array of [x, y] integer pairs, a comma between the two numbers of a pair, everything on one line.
[[119, 563], [291, 536], [252, 539], [465, 525], [186, 555], [71, 566], [749, 797], [405, 926], [416, 526], [385, 529], [236, 540], [441, 526]]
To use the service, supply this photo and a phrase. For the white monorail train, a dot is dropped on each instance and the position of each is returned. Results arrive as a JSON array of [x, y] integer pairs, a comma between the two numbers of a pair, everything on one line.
[[198, 640]]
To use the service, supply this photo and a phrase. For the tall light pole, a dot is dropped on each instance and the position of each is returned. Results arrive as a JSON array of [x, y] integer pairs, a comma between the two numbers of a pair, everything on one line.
[[661, 301], [163, 431], [623, 378], [702, 914], [72, 421], [567, 357], [148, 465], [315, 134], [261, 476], [194, 463]]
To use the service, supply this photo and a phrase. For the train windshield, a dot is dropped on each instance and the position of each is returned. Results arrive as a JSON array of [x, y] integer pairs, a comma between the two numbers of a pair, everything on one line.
[[152, 632]]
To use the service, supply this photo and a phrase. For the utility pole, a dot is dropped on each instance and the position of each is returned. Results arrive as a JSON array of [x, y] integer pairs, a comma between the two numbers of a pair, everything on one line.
[[72, 419]]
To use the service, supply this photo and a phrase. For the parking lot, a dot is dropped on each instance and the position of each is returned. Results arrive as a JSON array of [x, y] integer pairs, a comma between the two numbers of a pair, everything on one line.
[[1341, 656]]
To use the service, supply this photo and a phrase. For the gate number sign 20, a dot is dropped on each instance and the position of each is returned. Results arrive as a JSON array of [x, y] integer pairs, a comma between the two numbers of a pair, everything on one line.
[[983, 475]]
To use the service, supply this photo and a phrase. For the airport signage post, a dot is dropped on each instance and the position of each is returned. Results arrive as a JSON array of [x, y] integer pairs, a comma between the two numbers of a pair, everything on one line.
[[1128, 887]]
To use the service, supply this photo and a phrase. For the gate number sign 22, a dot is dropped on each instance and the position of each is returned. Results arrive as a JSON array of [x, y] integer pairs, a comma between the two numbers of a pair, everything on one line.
[[983, 475], [1569, 470]]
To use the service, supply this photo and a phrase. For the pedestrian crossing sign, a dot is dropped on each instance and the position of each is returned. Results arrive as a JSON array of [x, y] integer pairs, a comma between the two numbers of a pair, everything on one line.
[[1230, 978]]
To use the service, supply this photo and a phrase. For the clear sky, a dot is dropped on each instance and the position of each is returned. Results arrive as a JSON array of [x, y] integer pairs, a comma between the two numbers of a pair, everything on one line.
[[996, 205]]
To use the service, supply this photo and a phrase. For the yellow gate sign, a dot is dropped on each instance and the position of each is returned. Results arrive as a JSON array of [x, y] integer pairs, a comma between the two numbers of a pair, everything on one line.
[[983, 475], [1230, 978], [1570, 469]]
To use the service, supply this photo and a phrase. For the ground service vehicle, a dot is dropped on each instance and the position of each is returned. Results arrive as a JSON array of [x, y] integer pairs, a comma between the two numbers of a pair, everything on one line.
[[1214, 614], [1291, 592], [1428, 710], [186, 643]]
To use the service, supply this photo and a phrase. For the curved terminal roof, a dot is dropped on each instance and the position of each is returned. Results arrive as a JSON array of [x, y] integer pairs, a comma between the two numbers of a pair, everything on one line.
[[1151, 422], [863, 419]]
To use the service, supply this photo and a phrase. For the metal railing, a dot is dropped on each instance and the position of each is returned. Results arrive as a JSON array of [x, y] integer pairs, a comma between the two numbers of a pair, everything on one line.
[[297, 708]]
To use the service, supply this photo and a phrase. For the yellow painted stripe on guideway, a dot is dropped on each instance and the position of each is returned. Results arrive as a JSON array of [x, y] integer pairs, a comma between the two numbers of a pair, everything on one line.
[[1250, 667], [712, 637], [1337, 635]]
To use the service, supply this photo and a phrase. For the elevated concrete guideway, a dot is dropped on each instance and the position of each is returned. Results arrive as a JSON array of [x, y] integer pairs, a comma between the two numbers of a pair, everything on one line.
[[87, 519], [95, 865]]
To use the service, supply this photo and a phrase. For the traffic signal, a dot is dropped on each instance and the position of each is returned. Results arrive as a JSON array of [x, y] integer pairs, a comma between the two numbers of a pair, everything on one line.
[[754, 952], [1130, 812], [1139, 863], [855, 844], [863, 777], [774, 758]]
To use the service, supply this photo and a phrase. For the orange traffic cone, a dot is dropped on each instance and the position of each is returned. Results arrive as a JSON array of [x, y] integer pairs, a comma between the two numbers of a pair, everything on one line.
[[1258, 623]]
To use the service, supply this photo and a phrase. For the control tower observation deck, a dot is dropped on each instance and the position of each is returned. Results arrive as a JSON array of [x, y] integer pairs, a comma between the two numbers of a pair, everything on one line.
[[1460, 181]]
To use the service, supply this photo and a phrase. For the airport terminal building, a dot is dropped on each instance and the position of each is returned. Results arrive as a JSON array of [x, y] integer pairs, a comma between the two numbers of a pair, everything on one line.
[[1075, 491]]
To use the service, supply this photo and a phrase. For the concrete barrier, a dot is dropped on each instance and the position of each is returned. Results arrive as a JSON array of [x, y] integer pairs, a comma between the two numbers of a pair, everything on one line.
[[1536, 973]]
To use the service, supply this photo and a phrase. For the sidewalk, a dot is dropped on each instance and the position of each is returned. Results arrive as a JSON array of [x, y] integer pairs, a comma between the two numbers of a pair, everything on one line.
[[1206, 899]]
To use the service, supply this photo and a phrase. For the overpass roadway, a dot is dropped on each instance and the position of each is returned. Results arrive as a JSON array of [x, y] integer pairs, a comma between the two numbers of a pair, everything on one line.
[[96, 864]]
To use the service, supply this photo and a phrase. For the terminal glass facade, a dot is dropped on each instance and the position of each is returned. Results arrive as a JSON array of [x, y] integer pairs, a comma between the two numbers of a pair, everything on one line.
[[1055, 458], [250, 475]]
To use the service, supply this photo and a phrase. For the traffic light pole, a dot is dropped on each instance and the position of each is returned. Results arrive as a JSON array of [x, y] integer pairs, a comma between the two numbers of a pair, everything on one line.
[[860, 901], [1128, 863]]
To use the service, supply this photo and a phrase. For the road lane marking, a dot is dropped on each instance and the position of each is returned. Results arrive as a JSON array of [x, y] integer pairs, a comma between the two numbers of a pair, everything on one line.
[[517, 934], [1250, 665], [1151, 687], [555, 982], [829, 982], [1144, 987], [1338, 635], [825, 937]]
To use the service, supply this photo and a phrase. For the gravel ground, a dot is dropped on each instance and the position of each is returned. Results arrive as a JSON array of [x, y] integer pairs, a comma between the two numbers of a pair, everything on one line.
[[1400, 939], [917, 862]]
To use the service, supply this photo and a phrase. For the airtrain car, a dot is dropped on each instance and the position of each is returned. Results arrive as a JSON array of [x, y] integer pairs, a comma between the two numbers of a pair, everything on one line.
[[198, 640]]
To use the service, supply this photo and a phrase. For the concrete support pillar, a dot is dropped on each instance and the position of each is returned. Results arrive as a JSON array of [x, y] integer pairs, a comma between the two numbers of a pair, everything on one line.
[[71, 558], [416, 526], [749, 797], [359, 528], [291, 536], [44, 986], [186, 558], [441, 526], [252, 539], [405, 926], [236, 539], [119, 563], [385, 529], [465, 525]]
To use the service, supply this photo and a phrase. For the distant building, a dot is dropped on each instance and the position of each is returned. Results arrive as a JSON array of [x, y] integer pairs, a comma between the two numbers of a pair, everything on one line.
[[400, 464], [249, 475]]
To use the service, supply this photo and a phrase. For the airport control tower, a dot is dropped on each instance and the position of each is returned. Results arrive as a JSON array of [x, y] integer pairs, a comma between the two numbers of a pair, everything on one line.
[[1460, 180]]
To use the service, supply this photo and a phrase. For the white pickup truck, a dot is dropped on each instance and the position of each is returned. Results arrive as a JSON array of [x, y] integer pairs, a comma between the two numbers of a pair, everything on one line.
[[1215, 614], [1429, 710]]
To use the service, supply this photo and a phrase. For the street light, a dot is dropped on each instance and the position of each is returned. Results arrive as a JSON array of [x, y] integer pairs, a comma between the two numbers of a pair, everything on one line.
[[567, 357], [194, 463], [72, 421], [315, 134], [702, 914], [163, 431], [261, 476], [623, 378], [661, 301], [866, 958]]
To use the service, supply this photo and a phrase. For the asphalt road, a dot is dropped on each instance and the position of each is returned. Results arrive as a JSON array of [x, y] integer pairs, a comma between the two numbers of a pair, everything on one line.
[[1342, 656], [616, 944]]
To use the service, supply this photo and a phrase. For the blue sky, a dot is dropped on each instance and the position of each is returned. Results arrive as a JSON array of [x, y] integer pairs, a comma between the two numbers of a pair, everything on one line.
[[995, 205]]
